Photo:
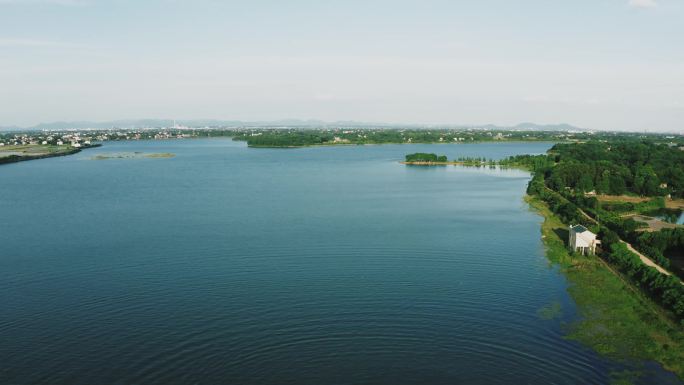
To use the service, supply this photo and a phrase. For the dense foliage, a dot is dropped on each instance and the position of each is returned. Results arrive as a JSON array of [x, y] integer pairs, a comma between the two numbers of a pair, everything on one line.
[[637, 167], [529, 162], [289, 139]]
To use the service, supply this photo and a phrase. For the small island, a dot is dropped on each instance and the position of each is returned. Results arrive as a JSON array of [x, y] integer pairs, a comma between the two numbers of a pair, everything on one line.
[[425, 158]]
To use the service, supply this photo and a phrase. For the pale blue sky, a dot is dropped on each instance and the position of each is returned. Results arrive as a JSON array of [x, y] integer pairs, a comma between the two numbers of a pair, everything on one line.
[[604, 64]]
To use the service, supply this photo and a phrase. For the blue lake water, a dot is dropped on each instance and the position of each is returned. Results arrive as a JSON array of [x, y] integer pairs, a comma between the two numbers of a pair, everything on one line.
[[326, 265]]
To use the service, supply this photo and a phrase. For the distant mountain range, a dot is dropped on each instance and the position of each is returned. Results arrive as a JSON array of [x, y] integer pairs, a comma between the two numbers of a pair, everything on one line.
[[158, 123]]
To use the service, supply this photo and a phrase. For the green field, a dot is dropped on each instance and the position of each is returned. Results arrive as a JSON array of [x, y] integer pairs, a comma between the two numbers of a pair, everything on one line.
[[33, 150]]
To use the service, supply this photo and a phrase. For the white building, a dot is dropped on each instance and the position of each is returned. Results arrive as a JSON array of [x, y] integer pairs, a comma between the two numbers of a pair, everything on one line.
[[582, 240]]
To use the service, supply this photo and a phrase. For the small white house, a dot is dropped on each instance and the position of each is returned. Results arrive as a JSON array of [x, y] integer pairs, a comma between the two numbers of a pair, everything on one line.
[[582, 240]]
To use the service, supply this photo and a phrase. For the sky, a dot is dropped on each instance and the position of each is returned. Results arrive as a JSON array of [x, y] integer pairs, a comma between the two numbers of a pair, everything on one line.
[[600, 64]]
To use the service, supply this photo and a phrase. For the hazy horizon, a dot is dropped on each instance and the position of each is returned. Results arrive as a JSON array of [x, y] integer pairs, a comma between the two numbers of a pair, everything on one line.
[[305, 124], [602, 65]]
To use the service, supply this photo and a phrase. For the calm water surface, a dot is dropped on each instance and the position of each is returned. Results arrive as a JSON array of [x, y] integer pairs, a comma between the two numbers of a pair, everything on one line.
[[264, 266]]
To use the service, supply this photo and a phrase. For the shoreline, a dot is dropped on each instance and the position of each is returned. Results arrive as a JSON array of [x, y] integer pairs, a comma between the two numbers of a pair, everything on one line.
[[467, 164]]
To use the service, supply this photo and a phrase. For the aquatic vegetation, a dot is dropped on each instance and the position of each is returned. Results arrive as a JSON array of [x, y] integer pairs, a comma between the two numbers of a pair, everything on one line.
[[550, 311], [160, 155], [132, 155]]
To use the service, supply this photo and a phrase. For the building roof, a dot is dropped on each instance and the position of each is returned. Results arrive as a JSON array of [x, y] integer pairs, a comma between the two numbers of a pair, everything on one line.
[[579, 228], [587, 237]]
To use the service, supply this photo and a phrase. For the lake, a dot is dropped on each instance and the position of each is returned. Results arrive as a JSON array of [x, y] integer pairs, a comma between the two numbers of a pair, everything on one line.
[[322, 265]]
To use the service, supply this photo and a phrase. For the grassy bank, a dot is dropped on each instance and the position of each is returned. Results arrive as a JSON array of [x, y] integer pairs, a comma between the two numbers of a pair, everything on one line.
[[12, 154], [615, 319]]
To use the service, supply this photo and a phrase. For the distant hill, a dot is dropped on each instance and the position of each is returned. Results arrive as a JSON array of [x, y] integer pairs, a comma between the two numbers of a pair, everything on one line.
[[545, 127], [311, 123], [157, 123]]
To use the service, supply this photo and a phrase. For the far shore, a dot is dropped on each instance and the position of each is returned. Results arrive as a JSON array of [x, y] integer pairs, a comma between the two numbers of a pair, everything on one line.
[[333, 144]]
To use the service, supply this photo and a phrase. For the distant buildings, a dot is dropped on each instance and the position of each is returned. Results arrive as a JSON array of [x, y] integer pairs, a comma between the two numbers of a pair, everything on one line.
[[582, 240]]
